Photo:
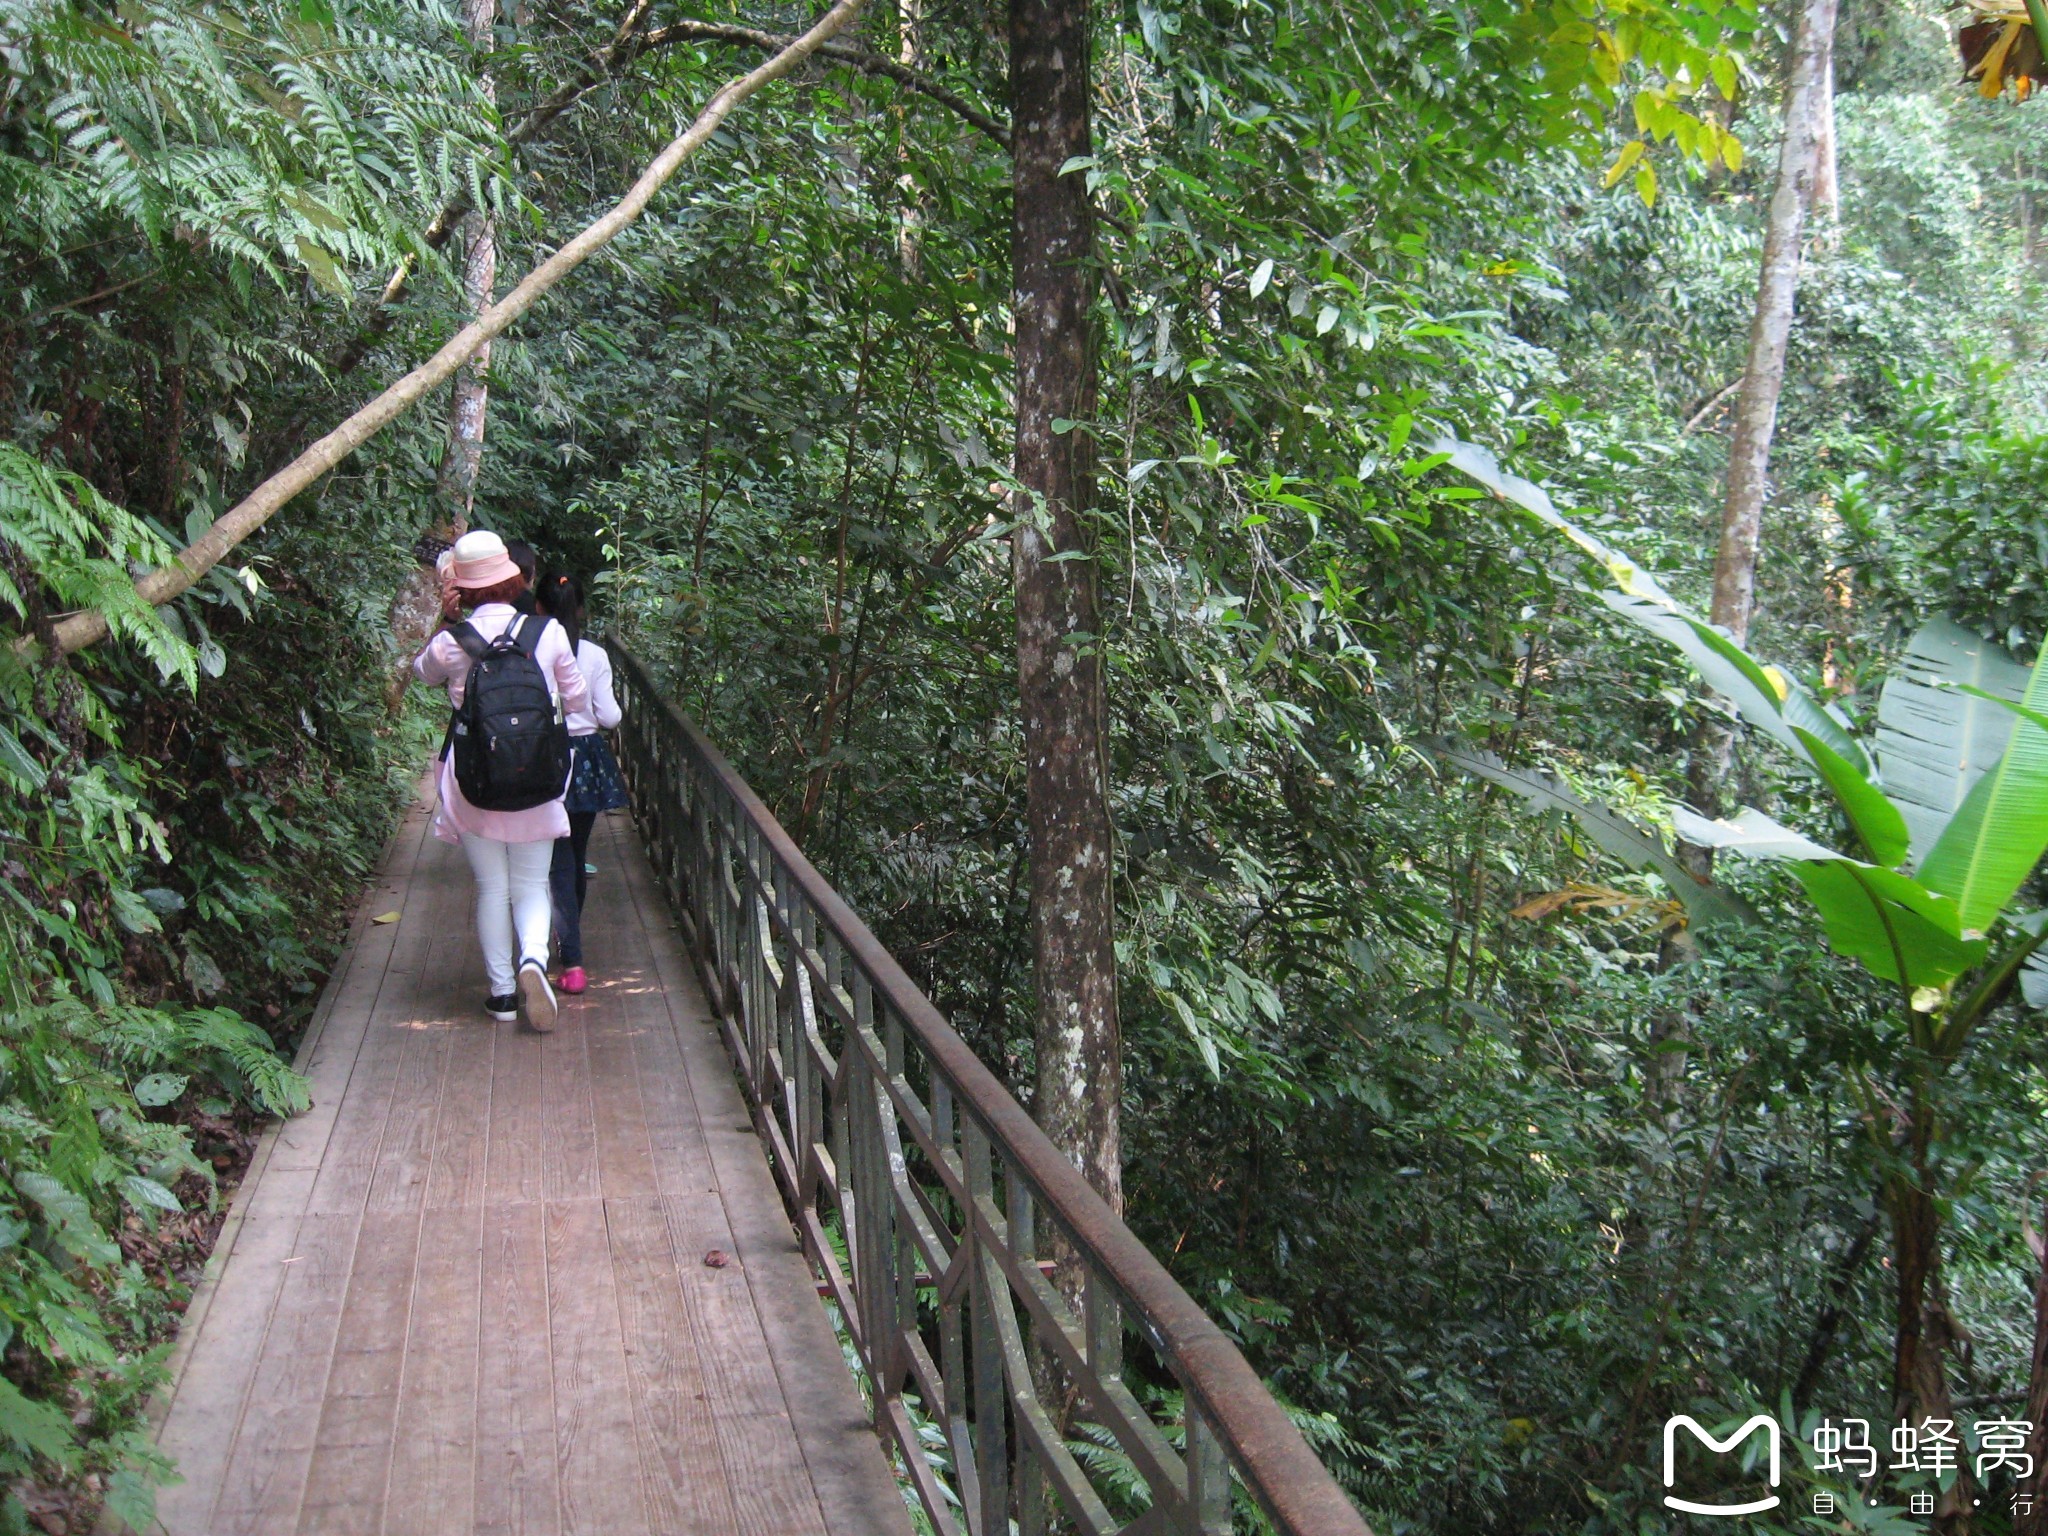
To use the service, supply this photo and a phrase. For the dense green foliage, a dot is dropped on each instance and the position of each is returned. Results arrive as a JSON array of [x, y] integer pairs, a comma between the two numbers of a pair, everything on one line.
[[1479, 1154]]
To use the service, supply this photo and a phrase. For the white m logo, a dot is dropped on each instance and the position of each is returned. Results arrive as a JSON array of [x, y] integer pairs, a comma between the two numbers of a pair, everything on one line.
[[1762, 1421]]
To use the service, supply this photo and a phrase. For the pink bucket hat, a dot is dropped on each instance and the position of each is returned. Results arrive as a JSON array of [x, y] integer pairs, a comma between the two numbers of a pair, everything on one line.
[[481, 560]]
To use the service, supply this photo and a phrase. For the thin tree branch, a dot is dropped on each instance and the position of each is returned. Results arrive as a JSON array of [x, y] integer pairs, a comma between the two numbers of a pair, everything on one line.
[[628, 44], [1712, 405], [841, 53], [255, 509]]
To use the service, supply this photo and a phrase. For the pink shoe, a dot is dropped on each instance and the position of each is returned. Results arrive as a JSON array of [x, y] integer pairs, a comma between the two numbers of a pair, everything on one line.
[[574, 981]]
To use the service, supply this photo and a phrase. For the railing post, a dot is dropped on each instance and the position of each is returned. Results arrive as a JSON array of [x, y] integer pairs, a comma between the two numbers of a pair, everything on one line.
[[991, 1387], [1208, 1476]]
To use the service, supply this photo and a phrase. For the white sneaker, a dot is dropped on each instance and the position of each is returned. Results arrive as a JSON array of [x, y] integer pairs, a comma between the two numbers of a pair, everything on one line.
[[536, 997]]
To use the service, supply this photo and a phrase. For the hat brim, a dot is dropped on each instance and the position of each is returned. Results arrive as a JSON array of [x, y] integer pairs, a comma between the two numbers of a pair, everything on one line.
[[470, 576]]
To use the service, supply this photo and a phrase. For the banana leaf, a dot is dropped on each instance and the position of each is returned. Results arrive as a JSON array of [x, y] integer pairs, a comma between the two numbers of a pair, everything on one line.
[[1890, 922], [1936, 732], [1995, 839], [1705, 904], [1764, 696]]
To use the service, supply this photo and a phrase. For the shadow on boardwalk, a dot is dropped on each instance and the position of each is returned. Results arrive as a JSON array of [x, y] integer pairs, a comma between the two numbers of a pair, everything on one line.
[[467, 1292]]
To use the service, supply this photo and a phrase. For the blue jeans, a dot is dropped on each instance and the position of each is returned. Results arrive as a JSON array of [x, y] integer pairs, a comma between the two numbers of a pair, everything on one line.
[[566, 883]]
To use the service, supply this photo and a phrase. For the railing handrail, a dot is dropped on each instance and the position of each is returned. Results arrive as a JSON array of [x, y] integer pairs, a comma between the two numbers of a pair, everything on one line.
[[1268, 1452]]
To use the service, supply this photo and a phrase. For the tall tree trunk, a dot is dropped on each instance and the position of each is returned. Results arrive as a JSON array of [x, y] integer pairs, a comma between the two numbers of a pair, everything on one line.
[[419, 600], [909, 196], [1763, 376], [1059, 661], [1923, 1328], [1827, 182]]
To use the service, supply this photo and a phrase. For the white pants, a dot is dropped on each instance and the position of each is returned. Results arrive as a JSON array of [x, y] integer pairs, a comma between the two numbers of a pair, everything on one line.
[[511, 893]]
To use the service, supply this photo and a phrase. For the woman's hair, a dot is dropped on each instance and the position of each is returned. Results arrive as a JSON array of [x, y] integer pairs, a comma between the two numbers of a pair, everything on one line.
[[505, 591], [561, 599]]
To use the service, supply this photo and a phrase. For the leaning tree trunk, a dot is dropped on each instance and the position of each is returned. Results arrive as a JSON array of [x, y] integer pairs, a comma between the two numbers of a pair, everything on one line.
[[76, 631], [1059, 656], [419, 600], [1763, 377]]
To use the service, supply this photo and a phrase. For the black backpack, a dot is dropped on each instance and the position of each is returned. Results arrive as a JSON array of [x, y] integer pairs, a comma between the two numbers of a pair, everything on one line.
[[511, 744]]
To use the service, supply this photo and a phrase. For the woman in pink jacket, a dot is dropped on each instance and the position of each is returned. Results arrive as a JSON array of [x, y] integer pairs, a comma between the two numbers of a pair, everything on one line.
[[508, 851]]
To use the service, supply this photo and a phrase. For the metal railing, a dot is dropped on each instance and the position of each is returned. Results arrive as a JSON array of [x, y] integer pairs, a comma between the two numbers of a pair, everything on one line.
[[895, 1147]]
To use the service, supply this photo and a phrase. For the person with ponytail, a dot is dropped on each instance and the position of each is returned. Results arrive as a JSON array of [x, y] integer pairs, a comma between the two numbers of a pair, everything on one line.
[[594, 782]]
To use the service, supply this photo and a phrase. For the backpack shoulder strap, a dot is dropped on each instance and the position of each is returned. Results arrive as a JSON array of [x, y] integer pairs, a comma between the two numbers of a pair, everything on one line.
[[473, 644], [528, 631]]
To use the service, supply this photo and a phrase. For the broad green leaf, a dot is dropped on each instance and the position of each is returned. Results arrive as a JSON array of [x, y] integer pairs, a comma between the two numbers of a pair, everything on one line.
[[42, 1428], [1261, 276], [1894, 926], [158, 1089], [1470, 459], [141, 1192], [1997, 836], [1764, 697], [1825, 723], [1876, 820], [15, 757], [1934, 738], [1722, 665], [1707, 904], [70, 1218]]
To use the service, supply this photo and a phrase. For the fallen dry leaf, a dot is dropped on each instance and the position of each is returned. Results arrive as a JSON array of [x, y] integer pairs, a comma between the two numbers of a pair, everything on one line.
[[385, 917], [716, 1259]]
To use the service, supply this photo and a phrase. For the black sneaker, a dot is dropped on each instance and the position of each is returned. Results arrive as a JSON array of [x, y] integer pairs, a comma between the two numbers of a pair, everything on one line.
[[536, 997], [504, 1009]]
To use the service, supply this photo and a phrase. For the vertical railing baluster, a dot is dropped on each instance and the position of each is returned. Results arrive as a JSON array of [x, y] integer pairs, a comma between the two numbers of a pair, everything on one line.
[[1208, 1491], [954, 1411], [1021, 1213], [878, 1228], [991, 1377]]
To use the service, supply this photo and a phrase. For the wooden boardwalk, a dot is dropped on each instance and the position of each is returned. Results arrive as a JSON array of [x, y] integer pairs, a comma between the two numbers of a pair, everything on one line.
[[467, 1291]]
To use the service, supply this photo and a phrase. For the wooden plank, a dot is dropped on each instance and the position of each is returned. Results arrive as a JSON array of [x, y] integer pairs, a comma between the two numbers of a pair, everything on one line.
[[843, 1458], [348, 1163], [273, 1444], [682, 1165], [352, 1447], [460, 1157], [222, 1350], [516, 1492], [596, 1456], [432, 1488], [327, 1055], [348, 1040], [212, 1368], [610, 1024], [569, 1169], [518, 1130], [680, 1465], [757, 1440], [405, 1154]]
